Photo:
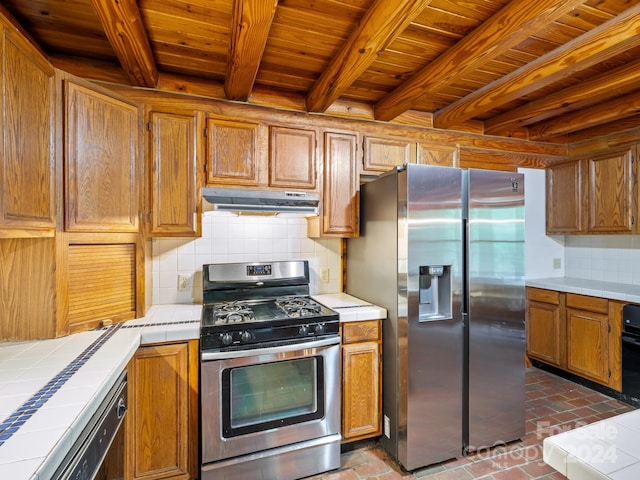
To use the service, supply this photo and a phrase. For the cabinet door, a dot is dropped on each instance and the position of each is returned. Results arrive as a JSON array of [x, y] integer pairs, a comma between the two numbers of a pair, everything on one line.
[[587, 345], [612, 203], [565, 198], [340, 205], [545, 334], [27, 154], [173, 190], [361, 390], [102, 178], [162, 418], [232, 153], [292, 158], [443, 155], [382, 154]]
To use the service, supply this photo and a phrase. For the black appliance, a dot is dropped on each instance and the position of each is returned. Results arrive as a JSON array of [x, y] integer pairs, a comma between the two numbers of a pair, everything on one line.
[[631, 354], [269, 374], [98, 452]]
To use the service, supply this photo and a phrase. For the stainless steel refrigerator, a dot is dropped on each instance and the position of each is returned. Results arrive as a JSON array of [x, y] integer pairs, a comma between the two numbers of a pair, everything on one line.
[[442, 249]]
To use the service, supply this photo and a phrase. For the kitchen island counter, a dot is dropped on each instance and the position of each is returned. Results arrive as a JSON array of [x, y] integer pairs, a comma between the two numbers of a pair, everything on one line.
[[607, 449]]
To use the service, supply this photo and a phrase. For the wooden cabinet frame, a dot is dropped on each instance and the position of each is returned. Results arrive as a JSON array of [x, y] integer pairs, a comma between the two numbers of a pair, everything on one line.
[[577, 333], [103, 159], [176, 144], [162, 421], [596, 194], [28, 146], [361, 359]]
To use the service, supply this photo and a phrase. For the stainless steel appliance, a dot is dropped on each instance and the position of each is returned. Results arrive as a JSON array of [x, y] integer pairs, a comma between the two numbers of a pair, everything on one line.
[[631, 354], [265, 201], [269, 374], [442, 250], [99, 450]]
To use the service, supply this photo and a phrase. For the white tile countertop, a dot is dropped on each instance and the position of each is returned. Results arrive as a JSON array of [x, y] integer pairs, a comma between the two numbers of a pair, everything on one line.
[[350, 308], [595, 288], [608, 449], [49, 389]]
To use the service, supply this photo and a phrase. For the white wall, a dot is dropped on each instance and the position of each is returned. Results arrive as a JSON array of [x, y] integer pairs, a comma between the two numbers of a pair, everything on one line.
[[227, 237], [540, 250]]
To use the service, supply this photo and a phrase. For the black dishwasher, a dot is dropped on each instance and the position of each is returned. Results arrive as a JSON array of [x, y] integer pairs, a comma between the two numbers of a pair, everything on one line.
[[631, 354]]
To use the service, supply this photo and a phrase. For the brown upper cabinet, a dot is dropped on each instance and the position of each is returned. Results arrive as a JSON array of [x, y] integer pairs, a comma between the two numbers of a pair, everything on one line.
[[233, 153], [102, 191], [612, 192], [176, 142], [292, 158], [382, 154], [565, 197], [27, 149], [249, 154], [442, 155], [594, 195], [340, 208]]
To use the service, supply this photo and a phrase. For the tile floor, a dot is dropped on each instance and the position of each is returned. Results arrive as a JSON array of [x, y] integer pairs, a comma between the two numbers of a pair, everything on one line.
[[553, 404]]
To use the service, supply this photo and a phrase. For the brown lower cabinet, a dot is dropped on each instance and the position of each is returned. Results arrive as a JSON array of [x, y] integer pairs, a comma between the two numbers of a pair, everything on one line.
[[361, 380], [162, 421], [577, 333]]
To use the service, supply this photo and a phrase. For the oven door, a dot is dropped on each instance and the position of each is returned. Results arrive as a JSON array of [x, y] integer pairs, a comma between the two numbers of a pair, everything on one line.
[[253, 400]]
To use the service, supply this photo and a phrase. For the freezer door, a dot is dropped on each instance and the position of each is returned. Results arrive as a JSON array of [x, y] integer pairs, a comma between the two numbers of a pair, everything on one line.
[[496, 336], [430, 348]]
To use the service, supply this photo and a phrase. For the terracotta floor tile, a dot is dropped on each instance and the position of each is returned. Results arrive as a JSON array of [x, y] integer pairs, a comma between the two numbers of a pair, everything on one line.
[[553, 405], [515, 473]]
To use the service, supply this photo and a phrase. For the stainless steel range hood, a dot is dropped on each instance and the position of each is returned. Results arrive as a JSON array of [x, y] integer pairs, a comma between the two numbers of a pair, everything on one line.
[[263, 201]]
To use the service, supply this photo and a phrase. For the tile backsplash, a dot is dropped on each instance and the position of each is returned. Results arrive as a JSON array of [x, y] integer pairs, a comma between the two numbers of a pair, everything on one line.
[[610, 258], [228, 237]]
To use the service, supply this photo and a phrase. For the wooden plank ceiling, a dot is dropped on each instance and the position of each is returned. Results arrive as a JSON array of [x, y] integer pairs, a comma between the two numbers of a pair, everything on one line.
[[544, 70]]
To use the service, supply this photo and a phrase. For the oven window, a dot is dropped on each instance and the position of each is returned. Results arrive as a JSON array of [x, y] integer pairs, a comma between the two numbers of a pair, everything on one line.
[[268, 395]]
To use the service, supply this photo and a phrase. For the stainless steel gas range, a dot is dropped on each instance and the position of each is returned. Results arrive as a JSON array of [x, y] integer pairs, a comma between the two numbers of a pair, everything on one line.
[[269, 374]]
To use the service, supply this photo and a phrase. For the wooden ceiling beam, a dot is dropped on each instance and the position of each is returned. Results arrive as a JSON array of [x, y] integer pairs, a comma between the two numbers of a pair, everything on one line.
[[381, 24], [608, 39], [515, 22], [611, 110], [250, 27], [122, 23], [616, 82]]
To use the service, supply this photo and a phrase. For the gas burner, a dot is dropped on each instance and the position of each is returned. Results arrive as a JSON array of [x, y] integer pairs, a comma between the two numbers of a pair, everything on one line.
[[298, 306], [233, 312], [244, 308]]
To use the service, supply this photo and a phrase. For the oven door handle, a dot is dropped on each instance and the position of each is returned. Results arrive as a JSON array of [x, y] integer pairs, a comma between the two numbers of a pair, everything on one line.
[[252, 352]]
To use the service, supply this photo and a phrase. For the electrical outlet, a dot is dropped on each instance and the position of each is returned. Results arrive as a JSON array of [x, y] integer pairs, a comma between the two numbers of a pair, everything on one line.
[[183, 282], [557, 263], [324, 275]]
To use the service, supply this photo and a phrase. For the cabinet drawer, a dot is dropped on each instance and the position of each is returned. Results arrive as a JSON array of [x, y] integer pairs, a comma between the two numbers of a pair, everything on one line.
[[542, 295], [591, 304], [360, 331]]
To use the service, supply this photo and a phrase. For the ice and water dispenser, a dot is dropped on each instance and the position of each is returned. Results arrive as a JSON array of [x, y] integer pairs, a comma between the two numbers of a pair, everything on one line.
[[435, 299]]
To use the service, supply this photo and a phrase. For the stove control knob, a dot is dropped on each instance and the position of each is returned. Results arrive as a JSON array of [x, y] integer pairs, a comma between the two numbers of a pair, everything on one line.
[[226, 338], [319, 328], [246, 337], [304, 330]]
